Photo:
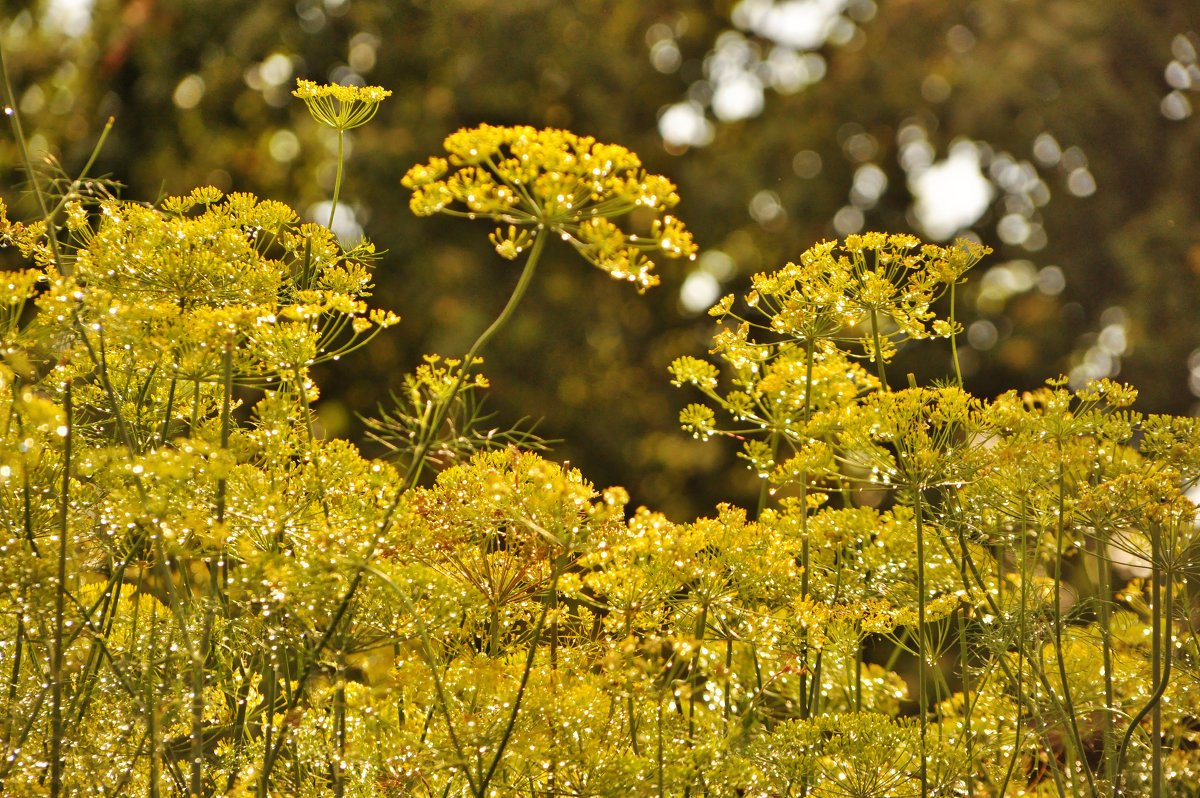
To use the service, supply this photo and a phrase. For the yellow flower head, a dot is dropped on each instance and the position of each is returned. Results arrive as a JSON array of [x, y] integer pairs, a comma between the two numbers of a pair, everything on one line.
[[554, 180], [340, 107]]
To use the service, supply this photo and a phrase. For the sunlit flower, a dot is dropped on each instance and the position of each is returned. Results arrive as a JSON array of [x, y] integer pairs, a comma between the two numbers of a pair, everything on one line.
[[556, 181], [340, 107]]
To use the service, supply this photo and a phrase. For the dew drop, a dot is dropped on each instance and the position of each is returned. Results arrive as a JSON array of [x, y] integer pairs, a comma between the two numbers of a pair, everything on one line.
[[8, 110]]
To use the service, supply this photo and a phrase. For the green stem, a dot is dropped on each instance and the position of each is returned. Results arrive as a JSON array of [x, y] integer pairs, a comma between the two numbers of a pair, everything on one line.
[[1020, 687], [60, 591], [506, 737], [764, 487], [662, 792], [100, 360], [964, 659], [199, 656], [87, 167], [953, 341], [166, 427], [701, 628], [728, 677], [1068, 701], [430, 432], [1022, 640], [226, 423], [858, 665], [339, 725], [1105, 618], [337, 183], [805, 703], [1156, 631], [922, 699], [269, 701], [15, 677], [152, 705], [629, 705], [493, 642], [313, 454], [1163, 677], [19, 135], [878, 351]]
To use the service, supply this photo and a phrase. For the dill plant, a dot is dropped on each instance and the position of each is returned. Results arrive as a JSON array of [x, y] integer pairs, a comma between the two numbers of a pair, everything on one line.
[[202, 597]]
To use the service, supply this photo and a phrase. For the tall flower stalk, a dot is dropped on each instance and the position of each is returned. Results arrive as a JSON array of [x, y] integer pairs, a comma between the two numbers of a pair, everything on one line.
[[341, 108]]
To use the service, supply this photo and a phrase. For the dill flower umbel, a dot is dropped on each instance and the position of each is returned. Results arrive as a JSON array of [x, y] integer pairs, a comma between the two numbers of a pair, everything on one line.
[[340, 107], [557, 181]]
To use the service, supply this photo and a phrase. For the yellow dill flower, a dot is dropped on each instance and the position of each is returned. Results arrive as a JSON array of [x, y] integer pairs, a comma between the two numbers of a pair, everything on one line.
[[554, 180], [340, 107]]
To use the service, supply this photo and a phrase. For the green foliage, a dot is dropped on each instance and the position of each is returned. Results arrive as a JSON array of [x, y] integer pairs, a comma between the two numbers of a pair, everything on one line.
[[202, 596]]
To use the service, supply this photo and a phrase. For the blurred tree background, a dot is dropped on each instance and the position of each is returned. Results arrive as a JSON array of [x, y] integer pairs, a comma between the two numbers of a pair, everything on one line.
[[1059, 132]]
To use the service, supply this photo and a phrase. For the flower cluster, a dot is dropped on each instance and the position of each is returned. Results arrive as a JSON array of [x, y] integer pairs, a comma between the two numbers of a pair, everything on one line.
[[341, 107], [556, 181]]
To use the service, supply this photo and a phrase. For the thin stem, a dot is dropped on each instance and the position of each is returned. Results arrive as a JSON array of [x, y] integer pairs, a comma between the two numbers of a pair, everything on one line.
[[100, 360], [269, 701], [313, 453], [1068, 702], [858, 664], [1156, 630], [805, 703], [15, 678], [1163, 678], [339, 726], [337, 183], [1014, 679], [60, 592], [429, 433], [964, 660], [226, 423], [878, 350], [701, 627], [728, 678], [198, 656], [1016, 749], [1105, 617], [764, 488], [10, 110], [154, 731], [953, 342], [166, 427], [516, 704], [662, 793], [630, 708], [87, 167], [922, 699]]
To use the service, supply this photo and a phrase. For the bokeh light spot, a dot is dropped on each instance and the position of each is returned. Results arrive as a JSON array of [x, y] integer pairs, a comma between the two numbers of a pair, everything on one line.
[[189, 92]]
